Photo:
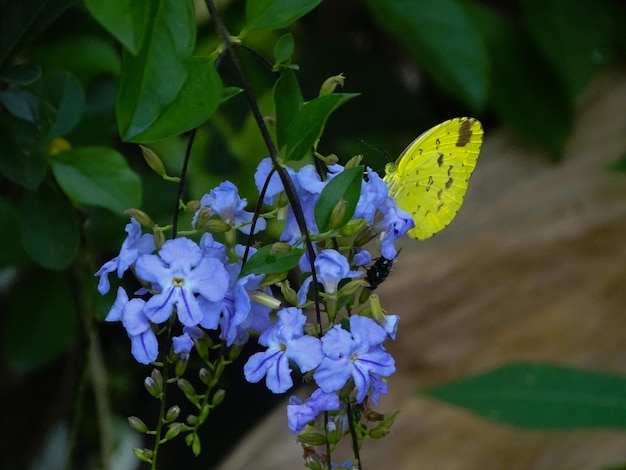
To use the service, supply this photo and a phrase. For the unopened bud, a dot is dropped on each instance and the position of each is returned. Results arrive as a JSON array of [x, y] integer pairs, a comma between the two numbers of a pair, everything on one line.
[[173, 430], [280, 248], [217, 226], [57, 146], [288, 292], [352, 227], [186, 387], [366, 235], [265, 299], [181, 364], [140, 216], [331, 83], [172, 413], [331, 159], [274, 278], [137, 424], [153, 160], [159, 239], [152, 387], [205, 375], [218, 397], [203, 217], [354, 161], [192, 206], [143, 454], [338, 214]]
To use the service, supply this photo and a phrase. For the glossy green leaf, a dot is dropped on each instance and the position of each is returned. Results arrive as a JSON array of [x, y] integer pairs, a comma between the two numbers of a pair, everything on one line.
[[307, 125], [444, 40], [97, 176], [124, 19], [346, 187], [576, 41], [196, 101], [40, 321], [541, 396], [288, 101], [23, 160], [276, 14], [62, 104], [21, 103], [49, 228], [154, 77], [21, 21], [525, 91], [266, 262]]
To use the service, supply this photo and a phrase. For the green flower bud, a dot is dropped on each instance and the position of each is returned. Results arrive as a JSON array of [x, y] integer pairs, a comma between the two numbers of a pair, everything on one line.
[[143, 454], [192, 420], [265, 299], [280, 248], [172, 413], [203, 217], [331, 83], [205, 375], [338, 214], [173, 430], [152, 387], [159, 239], [186, 387], [153, 161], [181, 365], [192, 206], [274, 278], [365, 236], [354, 161], [288, 292], [137, 424], [141, 217], [218, 397]]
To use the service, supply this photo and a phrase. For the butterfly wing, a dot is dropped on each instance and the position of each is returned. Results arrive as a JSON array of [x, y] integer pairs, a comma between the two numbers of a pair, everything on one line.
[[429, 179]]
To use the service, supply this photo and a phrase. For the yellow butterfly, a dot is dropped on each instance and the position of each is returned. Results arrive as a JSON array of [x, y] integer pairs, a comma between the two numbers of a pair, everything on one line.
[[429, 179]]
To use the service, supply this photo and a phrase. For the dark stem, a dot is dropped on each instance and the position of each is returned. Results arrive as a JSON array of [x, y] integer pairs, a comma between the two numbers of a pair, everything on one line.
[[181, 184], [269, 143]]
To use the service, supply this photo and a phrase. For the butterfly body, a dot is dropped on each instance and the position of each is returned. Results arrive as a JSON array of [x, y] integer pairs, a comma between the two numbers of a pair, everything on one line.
[[429, 179]]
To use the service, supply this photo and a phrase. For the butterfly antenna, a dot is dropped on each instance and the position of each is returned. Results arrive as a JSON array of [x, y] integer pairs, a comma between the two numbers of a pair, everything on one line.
[[380, 151]]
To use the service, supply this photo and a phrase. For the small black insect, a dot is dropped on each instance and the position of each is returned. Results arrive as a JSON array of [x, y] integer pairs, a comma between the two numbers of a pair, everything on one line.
[[379, 271]]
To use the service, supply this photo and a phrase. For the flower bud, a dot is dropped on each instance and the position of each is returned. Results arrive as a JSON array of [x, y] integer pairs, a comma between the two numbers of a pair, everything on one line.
[[172, 413], [192, 206], [331, 159], [331, 83], [192, 420], [173, 430], [141, 217], [378, 314], [205, 375], [137, 424], [288, 292], [153, 161], [274, 278], [354, 161], [203, 217], [216, 226], [159, 239], [364, 236], [143, 454], [57, 146], [218, 397], [186, 387], [280, 248], [352, 227], [338, 214], [152, 387], [181, 365], [267, 300]]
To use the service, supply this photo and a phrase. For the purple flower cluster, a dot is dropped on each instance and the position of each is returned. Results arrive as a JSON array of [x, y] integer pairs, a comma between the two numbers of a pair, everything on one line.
[[202, 285]]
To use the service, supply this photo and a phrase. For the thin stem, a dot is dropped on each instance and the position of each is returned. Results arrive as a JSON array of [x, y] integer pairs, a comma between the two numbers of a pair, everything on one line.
[[181, 184], [269, 143], [355, 442]]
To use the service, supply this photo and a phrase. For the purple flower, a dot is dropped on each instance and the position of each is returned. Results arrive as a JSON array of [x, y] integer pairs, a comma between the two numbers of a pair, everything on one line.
[[331, 267], [362, 257], [285, 340], [299, 413], [178, 273], [134, 246], [373, 194], [356, 354], [225, 202], [395, 224], [183, 344]]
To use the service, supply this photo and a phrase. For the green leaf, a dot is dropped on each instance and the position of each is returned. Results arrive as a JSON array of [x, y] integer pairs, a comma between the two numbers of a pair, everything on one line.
[[21, 21], [61, 105], [283, 48], [288, 101], [124, 19], [40, 321], [10, 237], [541, 396], [276, 14], [525, 91], [197, 100], [23, 160], [20, 74], [346, 186], [444, 40], [153, 77], [49, 228], [266, 262], [308, 123], [97, 176], [21, 103], [576, 41]]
